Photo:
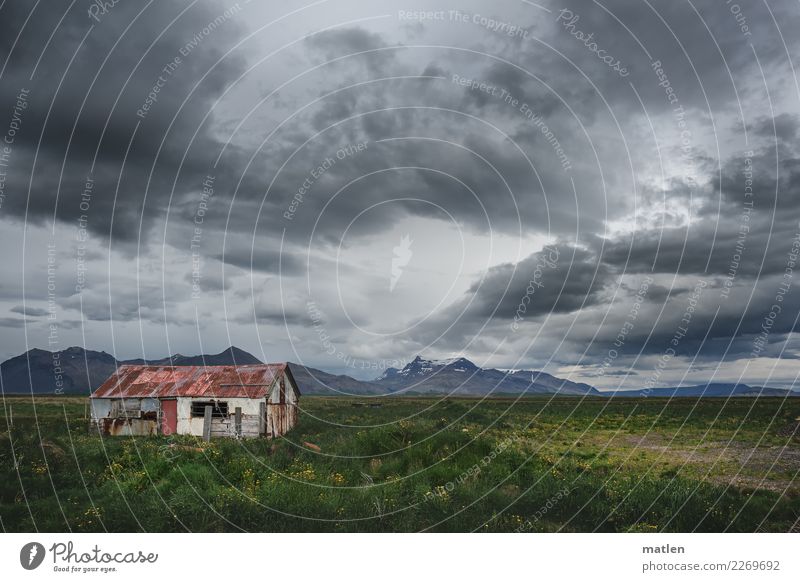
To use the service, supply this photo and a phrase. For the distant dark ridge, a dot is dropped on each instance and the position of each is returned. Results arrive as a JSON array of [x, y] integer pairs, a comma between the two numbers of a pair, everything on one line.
[[82, 371], [232, 356]]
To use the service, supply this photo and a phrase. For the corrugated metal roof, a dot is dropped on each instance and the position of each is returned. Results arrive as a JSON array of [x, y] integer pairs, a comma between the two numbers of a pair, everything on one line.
[[131, 381]]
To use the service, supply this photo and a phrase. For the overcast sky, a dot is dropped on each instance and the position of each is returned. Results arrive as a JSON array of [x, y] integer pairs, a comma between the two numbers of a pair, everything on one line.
[[609, 191]]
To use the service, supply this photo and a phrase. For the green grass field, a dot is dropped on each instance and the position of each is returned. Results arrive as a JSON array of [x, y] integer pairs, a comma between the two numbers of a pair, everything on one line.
[[537, 464]]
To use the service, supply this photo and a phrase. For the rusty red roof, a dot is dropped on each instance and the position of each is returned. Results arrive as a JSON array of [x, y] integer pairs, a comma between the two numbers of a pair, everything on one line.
[[130, 381]]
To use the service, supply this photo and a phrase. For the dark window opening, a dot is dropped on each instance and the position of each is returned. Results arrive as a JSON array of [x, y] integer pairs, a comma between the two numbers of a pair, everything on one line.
[[218, 409]]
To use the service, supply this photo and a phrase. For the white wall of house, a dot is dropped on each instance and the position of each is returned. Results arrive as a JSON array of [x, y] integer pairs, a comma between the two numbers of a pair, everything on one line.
[[101, 407], [275, 395]]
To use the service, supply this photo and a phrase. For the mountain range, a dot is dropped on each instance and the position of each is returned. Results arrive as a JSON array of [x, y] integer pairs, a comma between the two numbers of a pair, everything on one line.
[[460, 377], [233, 356], [76, 370]]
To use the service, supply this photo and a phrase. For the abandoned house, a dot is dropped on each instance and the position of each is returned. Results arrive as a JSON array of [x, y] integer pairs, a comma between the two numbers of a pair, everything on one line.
[[205, 401]]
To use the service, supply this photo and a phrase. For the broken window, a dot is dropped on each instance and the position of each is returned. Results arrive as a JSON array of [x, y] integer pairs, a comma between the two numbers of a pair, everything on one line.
[[218, 409]]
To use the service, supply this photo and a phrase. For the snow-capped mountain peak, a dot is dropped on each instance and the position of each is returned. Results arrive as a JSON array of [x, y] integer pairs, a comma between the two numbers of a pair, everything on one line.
[[458, 375], [419, 367]]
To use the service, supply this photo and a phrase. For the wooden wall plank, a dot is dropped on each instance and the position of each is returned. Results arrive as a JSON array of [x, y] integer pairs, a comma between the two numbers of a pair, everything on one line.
[[207, 424]]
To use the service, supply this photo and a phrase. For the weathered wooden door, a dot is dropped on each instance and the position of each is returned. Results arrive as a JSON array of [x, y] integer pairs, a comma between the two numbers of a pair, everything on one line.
[[169, 417]]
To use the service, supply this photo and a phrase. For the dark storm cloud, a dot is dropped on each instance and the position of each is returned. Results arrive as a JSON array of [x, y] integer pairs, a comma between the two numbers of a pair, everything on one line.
[[738, 327], [775, 173], [148, 169], [268, 314], [209, 280], [702, 49], [29, 311], [128, 300], [553, 281], [334, 44], [330, 44], [782, 127], [14, 322], [683, 250], [434, 70], [557, 280], [335, 111], [89, 110], [729, 325], [129, 207], [423, 165], [257, 258], [412, 108]]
